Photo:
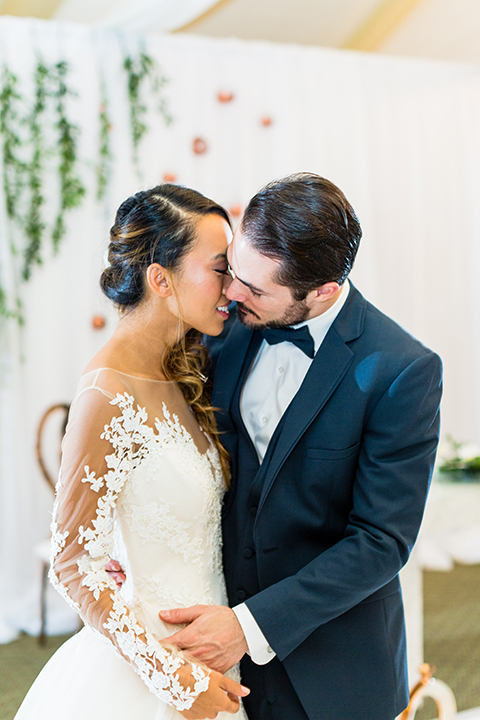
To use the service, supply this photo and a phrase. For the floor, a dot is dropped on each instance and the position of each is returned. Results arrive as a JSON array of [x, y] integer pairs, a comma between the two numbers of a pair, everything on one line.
[[452, 632]]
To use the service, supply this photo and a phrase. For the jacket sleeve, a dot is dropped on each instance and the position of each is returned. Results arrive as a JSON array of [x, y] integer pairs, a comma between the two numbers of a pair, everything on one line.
[[99, 451], [390, 488]]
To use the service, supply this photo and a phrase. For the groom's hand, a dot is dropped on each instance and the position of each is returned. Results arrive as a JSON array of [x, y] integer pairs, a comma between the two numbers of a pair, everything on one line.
[[213, 634]]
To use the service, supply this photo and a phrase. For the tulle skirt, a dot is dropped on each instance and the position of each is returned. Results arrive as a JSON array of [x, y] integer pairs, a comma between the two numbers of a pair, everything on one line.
[[86, 680]]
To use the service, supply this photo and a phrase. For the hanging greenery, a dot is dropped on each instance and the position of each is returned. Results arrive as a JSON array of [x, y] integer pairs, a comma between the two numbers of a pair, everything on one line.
[[71, 188], [104, 166], [13, 167], [28, 157], [141, 69], [34, 224], [24, 156], [138, 69]]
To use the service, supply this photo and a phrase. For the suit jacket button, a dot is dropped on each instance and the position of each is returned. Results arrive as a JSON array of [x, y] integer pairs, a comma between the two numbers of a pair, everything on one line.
[[248, 553], [253, 510], [241, 594]]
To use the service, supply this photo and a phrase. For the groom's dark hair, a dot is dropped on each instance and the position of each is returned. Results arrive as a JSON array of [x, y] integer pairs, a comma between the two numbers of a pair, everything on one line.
[[306, 223]]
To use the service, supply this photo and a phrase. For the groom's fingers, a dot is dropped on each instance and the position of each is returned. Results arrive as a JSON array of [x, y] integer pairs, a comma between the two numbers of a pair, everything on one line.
[[181, 639], [187, 637], [213, 636], [179, 616], [233, 688]]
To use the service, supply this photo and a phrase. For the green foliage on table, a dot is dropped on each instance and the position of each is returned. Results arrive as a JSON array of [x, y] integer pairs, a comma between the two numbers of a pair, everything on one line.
[[457, 464]]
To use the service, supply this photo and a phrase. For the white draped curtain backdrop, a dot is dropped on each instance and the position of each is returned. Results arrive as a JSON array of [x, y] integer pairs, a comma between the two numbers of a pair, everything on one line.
[[400, 137]]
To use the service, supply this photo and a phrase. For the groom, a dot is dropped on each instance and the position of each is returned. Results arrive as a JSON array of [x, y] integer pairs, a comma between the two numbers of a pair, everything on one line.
[[332, 429]]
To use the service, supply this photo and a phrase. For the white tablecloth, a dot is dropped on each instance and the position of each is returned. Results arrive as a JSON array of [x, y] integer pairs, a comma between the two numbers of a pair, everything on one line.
[[450, 530]]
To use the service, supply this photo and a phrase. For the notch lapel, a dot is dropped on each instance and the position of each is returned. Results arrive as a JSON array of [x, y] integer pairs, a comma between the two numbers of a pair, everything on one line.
[[327, 370]]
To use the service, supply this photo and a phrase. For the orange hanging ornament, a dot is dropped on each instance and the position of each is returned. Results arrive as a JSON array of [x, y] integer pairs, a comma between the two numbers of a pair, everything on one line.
[[98, 322], [199, 146], [235, 210], [225, 97]]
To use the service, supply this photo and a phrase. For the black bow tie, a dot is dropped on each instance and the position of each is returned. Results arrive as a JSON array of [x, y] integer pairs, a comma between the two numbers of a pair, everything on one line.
[[300, 337]]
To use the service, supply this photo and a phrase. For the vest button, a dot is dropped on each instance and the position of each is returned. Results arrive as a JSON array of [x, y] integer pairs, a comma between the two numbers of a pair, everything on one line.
[[248, 553], [253, 510], [241, 594]]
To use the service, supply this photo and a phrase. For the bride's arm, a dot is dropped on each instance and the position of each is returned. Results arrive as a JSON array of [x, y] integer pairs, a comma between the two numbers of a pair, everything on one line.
[[99, 452]]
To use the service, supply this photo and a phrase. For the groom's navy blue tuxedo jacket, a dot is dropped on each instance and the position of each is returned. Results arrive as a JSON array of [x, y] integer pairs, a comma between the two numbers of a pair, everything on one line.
[[315, 536]]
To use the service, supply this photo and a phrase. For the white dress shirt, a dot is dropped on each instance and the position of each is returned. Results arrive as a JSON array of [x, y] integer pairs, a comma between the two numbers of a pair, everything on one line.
[[272, 383]]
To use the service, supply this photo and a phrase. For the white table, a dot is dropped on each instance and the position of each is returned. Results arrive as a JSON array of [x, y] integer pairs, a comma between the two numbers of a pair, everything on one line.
[[450, 532]]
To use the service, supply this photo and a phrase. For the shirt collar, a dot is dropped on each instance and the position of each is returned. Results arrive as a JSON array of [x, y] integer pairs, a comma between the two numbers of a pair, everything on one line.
[[320, 325]]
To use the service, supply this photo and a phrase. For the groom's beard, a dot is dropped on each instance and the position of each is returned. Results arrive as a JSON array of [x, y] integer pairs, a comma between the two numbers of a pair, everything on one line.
[[294, 314]]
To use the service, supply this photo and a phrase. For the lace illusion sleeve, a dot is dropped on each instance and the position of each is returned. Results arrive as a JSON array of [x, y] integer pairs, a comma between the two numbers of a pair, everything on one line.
[[99, 452]]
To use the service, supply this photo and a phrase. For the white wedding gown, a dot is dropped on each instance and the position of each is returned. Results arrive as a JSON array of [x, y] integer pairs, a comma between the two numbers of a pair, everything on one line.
[[139, 482]]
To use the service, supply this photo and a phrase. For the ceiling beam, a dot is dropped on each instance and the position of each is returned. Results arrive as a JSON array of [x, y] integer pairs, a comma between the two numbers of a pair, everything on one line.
[[29, 8], [381, 24], [219, 5]]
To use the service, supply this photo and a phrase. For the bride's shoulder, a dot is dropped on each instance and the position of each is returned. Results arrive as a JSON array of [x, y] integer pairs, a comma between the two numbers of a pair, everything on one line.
[[111, 380], [107, 372], [105, 381], [121, 387], [101, 397]]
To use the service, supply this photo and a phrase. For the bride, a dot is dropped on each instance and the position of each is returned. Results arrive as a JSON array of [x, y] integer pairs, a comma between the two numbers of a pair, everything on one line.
[[142, 478]]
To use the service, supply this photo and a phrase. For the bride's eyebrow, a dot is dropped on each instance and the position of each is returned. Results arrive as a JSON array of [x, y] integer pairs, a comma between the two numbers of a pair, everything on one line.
[[220, 256]]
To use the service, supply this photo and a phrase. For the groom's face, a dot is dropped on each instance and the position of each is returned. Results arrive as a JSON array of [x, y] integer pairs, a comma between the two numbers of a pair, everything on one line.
[[261, 302]]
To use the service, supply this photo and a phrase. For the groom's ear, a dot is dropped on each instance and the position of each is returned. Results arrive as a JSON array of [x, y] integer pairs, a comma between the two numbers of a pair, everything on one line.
[[158, 280], [324, 293]]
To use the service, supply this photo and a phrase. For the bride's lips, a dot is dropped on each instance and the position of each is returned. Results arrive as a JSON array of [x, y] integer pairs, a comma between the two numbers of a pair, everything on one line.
[[223, 310]]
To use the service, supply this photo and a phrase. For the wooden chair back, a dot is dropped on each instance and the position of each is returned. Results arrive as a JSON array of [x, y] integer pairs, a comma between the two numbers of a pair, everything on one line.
[[61, 410]]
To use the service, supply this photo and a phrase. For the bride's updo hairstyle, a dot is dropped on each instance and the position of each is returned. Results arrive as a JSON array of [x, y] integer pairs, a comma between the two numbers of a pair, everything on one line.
[[159, 226]]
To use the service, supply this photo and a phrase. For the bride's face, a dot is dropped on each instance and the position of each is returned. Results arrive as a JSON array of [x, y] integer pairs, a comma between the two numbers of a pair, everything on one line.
[[201, 283]]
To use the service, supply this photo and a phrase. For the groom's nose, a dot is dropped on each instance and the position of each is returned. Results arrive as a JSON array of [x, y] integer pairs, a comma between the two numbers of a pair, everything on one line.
[[235, 291]]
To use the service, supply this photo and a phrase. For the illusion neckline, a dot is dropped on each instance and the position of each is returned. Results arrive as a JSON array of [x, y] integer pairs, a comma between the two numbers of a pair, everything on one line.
[[136, 377]]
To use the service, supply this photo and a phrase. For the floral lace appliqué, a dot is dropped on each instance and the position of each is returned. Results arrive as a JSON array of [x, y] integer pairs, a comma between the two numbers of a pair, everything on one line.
[[156, 521], [157, 665], [182, 597]]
